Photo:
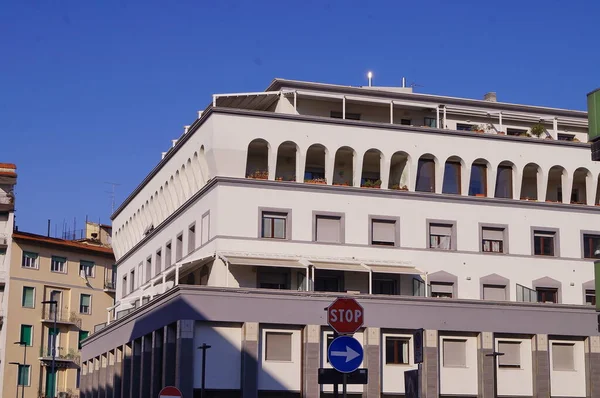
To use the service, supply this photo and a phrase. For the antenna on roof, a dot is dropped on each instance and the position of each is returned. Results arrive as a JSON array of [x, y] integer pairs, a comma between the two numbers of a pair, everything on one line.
[[112, 195], [370, 77]]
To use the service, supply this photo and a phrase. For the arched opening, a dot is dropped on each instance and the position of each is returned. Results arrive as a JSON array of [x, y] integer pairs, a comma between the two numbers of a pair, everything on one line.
[[174, 193], [399, 171], [504, 180], [452, 175], [478, 181], [426, 173], [554, 193], [314, 172], [169, 198], [529, 183], [580, 181], [371, 169], [343, 169], [285, 169], [203, 164], [257, 163]]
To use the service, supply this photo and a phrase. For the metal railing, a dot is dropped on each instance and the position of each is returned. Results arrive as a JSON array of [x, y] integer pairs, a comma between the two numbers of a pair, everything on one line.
[[63, 315], [62, 354], [99, 327], [110, 284], [6, 199]]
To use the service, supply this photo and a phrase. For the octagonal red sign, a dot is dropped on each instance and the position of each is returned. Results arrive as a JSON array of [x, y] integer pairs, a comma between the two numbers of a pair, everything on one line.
[[345, 315]]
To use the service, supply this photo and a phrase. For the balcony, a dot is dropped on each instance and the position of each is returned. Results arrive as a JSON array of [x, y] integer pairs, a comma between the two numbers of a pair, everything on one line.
[[110, 285], [7, 201], [63, 316], [3, 240], [65, 357]]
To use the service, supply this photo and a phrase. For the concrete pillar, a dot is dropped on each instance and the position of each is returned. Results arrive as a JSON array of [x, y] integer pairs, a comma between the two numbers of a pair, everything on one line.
[[83, 381], [372, 361], [541, 366], [250, 357], [491, 181], [590, 189], [126, 372], [102, 376], [358, 166], [542, 185], [136, 368], [567, 186], [272, 162], [169, 346], [465, 178], [300, 166], [95, 377], [439, 170], [146, 380], [517, 183], [485, 345], [157, 362], [311, 361], [184, 376], [430, 376], [118, 378], [329, 167], [413, 169], [110, 374], [592, 354], [384, 172]]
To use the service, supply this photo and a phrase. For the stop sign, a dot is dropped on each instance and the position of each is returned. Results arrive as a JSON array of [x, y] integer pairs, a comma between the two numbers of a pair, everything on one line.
[[345, 315], [170, 392]]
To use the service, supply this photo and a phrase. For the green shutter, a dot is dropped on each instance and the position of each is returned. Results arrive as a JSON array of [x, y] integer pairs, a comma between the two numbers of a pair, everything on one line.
[[28, 293], [26, 334], [82, 336], [59, 259], [23, 375], [30, 255]]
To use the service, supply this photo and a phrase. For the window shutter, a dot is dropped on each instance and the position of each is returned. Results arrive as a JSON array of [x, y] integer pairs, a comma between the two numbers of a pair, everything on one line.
[[28, 297], [30, 255], [493, 233], [205, 229], [562, 356], [442, 287], [494, 293], [85, 300], [328, 229], [384, 231], [26, 334], [512, 353], [455, 353], [440, 229], [278, 346]]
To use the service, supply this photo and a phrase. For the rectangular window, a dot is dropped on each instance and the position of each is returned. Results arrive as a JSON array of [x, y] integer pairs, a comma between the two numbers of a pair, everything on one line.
[[349, 116], [191, 238], [544, 243], [274, 225], [274, 280], [429, 122], [82, 336], [566, 137], [512, 354], [494, 292], [383, 232], [590, 296], [28, 298], [396, 350], [132, 281], [26, 335], [168, 257], [385, 286], [124, 287], [440, 236], [179, 247], [158, 263], [328, 229], [547, 295], [205, 228], [85, 304], [23, 377], [442, 289], [591, 246], [464, 126], [405, 122], [148, 268], [58, 264], [492, 240], [30, 260], [563, 356], [87, 268], [455, 353], [140, 274], [278, 346]]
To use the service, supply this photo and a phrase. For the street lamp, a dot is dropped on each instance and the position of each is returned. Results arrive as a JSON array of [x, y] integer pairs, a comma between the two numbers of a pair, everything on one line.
[[24, 344], [55, 304], [204, 347], [495, 355], [18, 376]]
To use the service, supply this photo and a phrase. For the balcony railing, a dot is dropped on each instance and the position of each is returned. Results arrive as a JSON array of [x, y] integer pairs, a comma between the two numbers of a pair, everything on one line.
[[110, 284], [63, 316], [6, 199], [64, 355]]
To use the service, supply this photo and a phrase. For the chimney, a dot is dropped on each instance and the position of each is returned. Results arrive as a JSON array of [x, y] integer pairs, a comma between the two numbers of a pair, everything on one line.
[[490, 97]]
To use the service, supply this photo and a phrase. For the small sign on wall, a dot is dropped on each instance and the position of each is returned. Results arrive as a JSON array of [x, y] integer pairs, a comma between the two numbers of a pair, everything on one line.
[[418, 345]]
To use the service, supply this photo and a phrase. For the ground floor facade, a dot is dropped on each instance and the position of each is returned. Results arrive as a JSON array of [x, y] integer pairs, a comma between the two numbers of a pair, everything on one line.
[[271, 344]]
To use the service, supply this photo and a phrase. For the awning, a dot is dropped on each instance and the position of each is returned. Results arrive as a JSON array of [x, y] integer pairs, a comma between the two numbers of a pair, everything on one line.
[[265, 262], [339, 266], [258, 101], [394, 269]]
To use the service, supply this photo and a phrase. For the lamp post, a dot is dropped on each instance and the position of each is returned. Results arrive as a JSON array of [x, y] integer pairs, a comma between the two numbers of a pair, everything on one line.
[[495, 355], [24, 345], [204, 347], [55, 304], [18, 377]]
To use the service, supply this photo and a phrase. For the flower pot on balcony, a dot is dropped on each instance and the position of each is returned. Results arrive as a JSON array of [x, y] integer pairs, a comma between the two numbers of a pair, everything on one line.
[[501, 133], [316, 181], [480, 195], [259, 175]]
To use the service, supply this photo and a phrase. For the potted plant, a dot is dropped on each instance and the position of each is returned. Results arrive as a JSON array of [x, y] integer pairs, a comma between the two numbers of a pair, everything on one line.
[[501, 133], [259, 175], [316, 181], [537, 130], [477, 128]]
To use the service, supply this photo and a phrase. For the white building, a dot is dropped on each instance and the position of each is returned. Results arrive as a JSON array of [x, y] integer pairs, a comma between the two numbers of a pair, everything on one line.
[[474, 219]]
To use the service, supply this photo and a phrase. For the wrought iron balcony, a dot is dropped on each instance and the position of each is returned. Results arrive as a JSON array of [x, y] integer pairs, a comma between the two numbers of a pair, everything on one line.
[[65, 357], [63, 316]]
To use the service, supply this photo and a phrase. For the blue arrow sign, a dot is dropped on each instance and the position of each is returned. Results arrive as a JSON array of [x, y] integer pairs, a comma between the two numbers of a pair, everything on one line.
[[345, 354]]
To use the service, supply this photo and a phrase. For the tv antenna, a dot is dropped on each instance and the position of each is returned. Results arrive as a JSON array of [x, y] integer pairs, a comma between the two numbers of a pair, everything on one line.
[[111, 194]]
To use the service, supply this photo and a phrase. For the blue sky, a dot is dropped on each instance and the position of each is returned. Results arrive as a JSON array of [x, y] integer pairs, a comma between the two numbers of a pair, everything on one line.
[[93, 92]]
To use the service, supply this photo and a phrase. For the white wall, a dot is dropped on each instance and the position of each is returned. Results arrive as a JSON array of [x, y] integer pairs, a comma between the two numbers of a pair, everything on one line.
[[280, 375], [459, 380], [517, 381], [360, 336], [392, 374], [569, 383], [223, 359]]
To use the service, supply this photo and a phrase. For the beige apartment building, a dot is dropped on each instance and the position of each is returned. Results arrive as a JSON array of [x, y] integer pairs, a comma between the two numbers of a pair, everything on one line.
[[79, 277]]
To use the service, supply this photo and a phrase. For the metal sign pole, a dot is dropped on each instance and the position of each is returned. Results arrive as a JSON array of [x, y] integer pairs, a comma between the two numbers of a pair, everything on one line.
[[335, 391], [345, 378]]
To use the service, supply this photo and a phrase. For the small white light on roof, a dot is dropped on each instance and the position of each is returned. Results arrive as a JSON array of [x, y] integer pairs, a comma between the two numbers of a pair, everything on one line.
[[370, 76]]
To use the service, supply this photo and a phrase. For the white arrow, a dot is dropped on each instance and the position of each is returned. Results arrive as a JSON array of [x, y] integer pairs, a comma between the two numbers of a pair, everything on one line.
[[350, 354]]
